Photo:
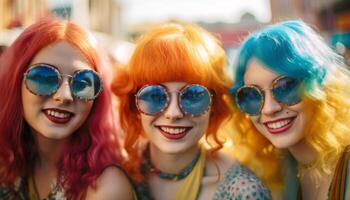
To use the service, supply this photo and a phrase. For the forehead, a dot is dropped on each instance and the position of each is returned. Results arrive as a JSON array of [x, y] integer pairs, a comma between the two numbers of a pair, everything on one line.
[[174, 85], [64, 56], [258, 74]]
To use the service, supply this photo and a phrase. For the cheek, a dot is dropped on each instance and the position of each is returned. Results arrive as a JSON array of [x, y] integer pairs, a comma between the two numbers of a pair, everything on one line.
[[202, 122], [255, 120], [256, 123], [30, 102], [305, 111], [32, 107], [146, 122], [84, 108], [25, 98]]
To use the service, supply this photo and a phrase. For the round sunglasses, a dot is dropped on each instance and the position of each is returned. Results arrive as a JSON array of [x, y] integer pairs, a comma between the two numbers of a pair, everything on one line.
[[285, 90], [44, 79], [193, 99]]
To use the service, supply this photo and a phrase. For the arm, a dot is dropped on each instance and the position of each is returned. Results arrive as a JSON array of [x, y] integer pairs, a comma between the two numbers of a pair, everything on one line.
[[111, 185]]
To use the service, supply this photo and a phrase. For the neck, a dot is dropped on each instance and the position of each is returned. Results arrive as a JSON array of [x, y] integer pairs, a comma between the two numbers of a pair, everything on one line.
[[172, 162], [303, 153], [49, 151]]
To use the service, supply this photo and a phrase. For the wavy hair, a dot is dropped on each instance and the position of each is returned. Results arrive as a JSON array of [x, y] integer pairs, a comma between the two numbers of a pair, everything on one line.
[[294, 49], [92, 148], [171, 52]]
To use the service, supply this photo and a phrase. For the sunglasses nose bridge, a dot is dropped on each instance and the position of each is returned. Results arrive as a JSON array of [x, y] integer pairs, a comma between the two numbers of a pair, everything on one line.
[[173, 110], [67, 77], [270, 104], [64, 93]]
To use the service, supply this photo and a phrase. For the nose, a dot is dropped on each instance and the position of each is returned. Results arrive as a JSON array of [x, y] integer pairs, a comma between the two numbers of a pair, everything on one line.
[[173, 110], [63, 95], [271, 106]]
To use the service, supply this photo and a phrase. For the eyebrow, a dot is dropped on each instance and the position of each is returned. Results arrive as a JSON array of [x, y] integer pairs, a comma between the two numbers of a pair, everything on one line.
[[167, 88], [172, 91]]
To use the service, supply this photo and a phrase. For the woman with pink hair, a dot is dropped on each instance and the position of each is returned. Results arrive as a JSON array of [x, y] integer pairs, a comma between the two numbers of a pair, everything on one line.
[[57, 138]]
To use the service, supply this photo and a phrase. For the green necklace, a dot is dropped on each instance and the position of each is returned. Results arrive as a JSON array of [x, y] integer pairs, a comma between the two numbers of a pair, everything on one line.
[[169, 176]]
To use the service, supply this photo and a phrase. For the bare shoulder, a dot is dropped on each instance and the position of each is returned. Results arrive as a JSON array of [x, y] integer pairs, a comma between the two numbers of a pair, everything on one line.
[[112, 184], [222, 161]]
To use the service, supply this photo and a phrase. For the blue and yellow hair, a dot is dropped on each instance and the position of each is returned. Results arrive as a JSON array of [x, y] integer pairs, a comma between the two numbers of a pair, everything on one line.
[[294, 49]]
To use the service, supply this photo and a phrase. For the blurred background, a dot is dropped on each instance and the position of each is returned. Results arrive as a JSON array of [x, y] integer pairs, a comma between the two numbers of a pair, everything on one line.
[[117, 23]]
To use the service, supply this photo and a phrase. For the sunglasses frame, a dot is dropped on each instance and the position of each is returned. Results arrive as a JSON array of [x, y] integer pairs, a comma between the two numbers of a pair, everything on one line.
[[60, 79], [262, 93], [168, 96]]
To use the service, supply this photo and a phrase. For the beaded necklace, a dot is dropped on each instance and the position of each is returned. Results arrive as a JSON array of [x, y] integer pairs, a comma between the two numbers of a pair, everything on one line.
[[169, 176], [142, 188]]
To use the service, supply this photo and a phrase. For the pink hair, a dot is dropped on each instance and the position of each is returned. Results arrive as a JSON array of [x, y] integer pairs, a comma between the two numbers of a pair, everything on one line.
[[92, 148]]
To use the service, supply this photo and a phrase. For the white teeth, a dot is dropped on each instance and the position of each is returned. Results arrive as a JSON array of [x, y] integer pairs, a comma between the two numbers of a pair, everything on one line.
[[57, 114], [172, 130], [279, 124]]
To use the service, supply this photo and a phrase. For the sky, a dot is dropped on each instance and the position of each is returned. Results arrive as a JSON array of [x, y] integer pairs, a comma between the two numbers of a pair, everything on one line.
[[138, 11]]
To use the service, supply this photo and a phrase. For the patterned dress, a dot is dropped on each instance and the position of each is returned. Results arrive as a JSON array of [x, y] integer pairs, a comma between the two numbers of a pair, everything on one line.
[[239, 183], [24, 189]]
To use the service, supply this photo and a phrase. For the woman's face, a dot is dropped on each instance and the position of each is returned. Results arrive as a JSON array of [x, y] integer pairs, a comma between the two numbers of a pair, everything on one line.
[[59, 115], [172, 131], [284, 126]]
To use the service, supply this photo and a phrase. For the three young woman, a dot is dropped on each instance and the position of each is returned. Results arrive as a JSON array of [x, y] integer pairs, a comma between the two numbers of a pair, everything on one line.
[[58, 140]]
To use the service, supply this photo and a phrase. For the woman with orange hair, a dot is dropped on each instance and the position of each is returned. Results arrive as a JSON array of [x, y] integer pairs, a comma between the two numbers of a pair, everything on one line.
[[292, 100], [172, 93], [57, 138]]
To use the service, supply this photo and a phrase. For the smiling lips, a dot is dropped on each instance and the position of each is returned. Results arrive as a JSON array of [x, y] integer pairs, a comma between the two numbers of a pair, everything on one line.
[[58, 116], [280, 125], [174, 132]]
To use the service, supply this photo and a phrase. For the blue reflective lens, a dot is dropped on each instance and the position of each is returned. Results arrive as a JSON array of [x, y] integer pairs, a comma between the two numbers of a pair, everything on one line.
[[42, 80], [86, 84], [249, 100], [287, 90], [195, 100], [152, 99]]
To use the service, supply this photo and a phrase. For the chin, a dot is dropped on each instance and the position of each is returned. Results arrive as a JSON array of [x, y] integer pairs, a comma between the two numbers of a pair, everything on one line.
[[281, 145], [173, 148], [285, 144], [57, 135]]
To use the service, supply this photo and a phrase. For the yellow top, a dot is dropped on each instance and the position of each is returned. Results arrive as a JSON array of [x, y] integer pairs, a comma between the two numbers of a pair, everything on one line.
[[189, 189], [32, 192], [338, 188]]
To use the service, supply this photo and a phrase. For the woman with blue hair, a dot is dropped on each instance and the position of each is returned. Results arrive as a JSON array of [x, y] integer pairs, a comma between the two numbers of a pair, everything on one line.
[[292, 98]]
